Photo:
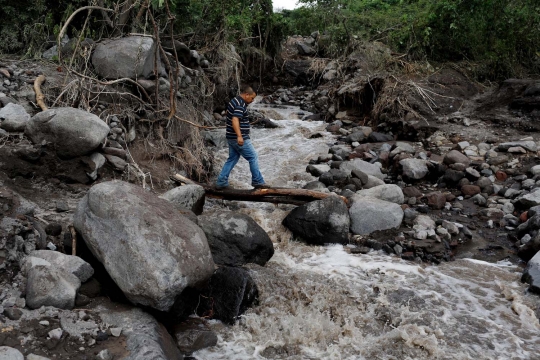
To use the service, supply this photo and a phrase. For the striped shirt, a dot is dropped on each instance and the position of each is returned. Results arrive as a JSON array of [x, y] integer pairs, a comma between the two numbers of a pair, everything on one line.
[[237, 108]]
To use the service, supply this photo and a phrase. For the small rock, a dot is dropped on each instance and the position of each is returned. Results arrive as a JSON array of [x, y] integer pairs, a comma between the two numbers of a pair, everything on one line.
[[13, 313], [56, 334], [61, 206], [104, 355], [470, 190], [531, 275], [436, 200], [44, 323], [116, 331], [455, 156]]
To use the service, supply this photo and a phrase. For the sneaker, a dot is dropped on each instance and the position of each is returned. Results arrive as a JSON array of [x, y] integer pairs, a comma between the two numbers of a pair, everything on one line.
[[261, 186], [221, 187]]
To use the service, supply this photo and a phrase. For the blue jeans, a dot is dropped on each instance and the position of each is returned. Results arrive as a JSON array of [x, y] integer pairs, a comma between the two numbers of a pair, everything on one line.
[[247, 151]]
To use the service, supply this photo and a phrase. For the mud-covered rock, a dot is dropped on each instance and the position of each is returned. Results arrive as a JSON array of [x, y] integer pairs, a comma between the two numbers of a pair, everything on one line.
[[150, 250]]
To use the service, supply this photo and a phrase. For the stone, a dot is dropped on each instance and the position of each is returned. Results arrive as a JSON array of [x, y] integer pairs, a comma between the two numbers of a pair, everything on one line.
[[236, 239], [116, 332], [479, 200], [13, 118], [472, 173], [145, 338], [151, 251], [529, 200], [387, 192], [436, 200], [414, 168], [454, 157], [317, 170], [233, 291], [531, 275], [187, 197], [68, 263], [72, 132], [452, 177], [128, 57], [501, 175], [373, 182], [13, 313], [53, 229], [451, 227], [470, 190], [411, 191], [357, 136], [424, 222], [36, 357], [117, 163], [48, 286], [97, 161], [372, 214], [320, 222], [380, 137], [517, 150], [104, 355], [314, 185], [9, 353], [528, 145], [193, 335], [305, 49], [402, 147], [363, 177], [363, 166], [535, 170]]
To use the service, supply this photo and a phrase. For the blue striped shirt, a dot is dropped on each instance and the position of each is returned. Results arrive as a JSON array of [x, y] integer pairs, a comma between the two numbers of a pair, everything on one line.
[[237, 108]]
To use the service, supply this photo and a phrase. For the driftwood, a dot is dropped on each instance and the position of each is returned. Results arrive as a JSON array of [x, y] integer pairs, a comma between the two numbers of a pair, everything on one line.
[[40, 98], [73, 240], [273, 195]]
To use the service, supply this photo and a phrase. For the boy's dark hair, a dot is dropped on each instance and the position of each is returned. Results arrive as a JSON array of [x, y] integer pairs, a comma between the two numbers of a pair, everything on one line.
[[246, 89]]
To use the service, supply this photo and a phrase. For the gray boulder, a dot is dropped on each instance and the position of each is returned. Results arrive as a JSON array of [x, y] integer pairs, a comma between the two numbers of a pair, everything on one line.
[[129, 57], [527, 145], [73, 132], [193, 335], [48, 286], [236, 239], [363, 166], [305, 49], [372, 182], [187, 197], [387, 192], [320, 222], [414, 168], [372, 214], [14, 117], [531, 275], [68, 263], [148, 248], [9, 353]]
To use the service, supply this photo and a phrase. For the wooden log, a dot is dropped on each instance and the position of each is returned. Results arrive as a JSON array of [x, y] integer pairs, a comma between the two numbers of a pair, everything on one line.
[[272, 195], [40, 98]]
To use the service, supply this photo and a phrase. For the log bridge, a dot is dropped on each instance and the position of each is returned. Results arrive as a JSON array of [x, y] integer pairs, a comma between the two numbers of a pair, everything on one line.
[[272, 195]]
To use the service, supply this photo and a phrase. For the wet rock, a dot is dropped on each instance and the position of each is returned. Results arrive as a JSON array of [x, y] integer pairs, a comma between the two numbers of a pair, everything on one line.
[[129, 57], [371, 214], [68, 263], [314, 185], [414, 168], [529, 200], [363, 166], [320, 222], [48, 286], [387, 192], [357, 136], [236, 239], [531, 275], [72, 132], [193, 335], [233, 291], [436, 200], [9, 353], [13, 118], [455, 156], [528, 145], [530, 249], [150, 250], [317, 170], [187, 197], [327, 179]]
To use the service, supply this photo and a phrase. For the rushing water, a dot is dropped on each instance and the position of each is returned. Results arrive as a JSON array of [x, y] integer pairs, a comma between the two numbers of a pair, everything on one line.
[[325, 303]]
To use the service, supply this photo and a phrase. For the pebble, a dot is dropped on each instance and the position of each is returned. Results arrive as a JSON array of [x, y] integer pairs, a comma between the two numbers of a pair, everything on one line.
[[56, 334], [44, 323], [116, 331]]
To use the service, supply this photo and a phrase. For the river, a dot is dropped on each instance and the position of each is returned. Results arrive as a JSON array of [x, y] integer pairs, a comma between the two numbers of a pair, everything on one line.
[[321, 302]]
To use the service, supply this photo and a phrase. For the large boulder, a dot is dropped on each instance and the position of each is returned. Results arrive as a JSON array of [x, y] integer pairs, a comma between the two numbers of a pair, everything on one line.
[[148, 248], [531, 275], [13, 117], [190, 197], [236, 239], [68, 263], [363, 166], [72, 132], [9, 353], [372, 214], [129, 57], [387, 192], [48, 286], [320, 222]]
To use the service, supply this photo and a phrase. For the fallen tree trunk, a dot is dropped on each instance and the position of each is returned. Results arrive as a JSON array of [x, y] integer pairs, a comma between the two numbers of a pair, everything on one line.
[[273, 195]]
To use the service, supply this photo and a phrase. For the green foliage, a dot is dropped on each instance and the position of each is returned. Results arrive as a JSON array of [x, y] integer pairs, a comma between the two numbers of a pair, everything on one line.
[[501, 34]]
